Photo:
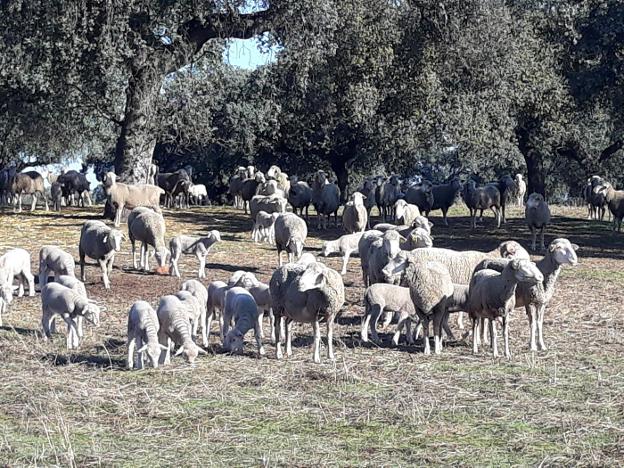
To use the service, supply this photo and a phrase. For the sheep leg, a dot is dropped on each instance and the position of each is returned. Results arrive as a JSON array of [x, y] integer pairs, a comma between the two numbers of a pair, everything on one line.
[[460, 320], [447, 329], [104, 273], [377, 310], [279, 257], [260, 318], [134, 263], [272, 325], [534, 234], [364, 329], [80, 324], [130, 362], [397, 334], [532, 316], [207, 325], [258, 334], [289, 323], [445, 219], [506, 336], [278, 337], [494, 337], [426, 335], [33, 204], [31, 284], [45, 200], [543, 247], [475, 335], [540, 326], [317, 342], [330, 338], [345, 260], [202, 320], [438, 320]]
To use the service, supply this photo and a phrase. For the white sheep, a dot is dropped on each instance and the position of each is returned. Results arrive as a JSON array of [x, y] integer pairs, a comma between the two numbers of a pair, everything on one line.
[[57, 299], [130, 196], [191, 245], [240, 307], [263, 228], [15, 263], [198, 193], [262, 295], [344, 245], [383, 298], [55, 260], [405, 213], [175, 328], [100, 242], [143, 329], [78, 287], [201, 293], [354, 215], [290, 235], [148, 227]]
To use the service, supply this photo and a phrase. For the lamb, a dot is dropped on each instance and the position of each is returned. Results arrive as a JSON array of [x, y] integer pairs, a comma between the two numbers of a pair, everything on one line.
[[380, 252], [198, 290], [615, 202], [364, 244], [262, 296], [175, 328], [405, 213], [189, 245], [520, 188], [57, 299], [148, 227], [29, 183], [72, 283], [482, 198], [444, 196], [194, 312], [354, 216], [264, 227], [493, 294], [421, 195], [198, 194], [249, 188], [143, 329], [15, 263], [299, 195], [417, 238], [305, 294], [326, 199], [290, 235], [130, 196], [536, 297], [344, 245], [537, 215], [56, 195], [389, 193], [240, 307], [383, 298], [215, 303], [100, 242], [269, 204], [53, 259]]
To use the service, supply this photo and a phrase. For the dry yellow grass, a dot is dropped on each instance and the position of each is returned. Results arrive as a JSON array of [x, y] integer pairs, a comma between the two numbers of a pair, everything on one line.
[[374, 406]]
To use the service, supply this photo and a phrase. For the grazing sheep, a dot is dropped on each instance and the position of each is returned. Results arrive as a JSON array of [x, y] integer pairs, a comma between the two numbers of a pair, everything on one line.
[[269, 204], [537, 216], [194, 312], [191, 245], [148, 227], [536, 297], [198, 290], [444, 196], [344, 245], [519, 189], [264, 227], [388, 194], [215, 303], [57, 299], [421, 195], [262, 296], [235, 185], [100, 242], [54, 259], [56, 195], [493, 294], [615, 202], [174, 184], [130, 196], [28, 183], [15, 263], [299, 196], [240, 307], [175, 329], [290, 235], [143, 329], [405, 213], [326, 199], [482, 198], [380, 252], [305, 294], [364, 244]]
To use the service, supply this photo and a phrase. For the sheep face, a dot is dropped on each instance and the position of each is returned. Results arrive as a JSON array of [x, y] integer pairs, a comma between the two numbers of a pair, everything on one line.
[[153, 352], [328, 248], [233, 341], [396, 266], [535, 199], [358, 198], [248, 280], [92, 313], [216, 235], [564, 252], [511, 249], [312, 278], [420, 238], [526, 271], [114, 238]]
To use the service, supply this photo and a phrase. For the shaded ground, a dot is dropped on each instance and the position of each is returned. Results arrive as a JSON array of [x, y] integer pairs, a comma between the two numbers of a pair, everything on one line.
[[373, 406]]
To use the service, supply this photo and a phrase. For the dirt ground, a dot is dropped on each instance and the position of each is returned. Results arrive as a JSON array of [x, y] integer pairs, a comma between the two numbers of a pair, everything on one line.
[[374, 406]]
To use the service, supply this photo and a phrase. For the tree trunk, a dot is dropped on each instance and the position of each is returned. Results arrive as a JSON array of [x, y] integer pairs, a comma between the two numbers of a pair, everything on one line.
[[342, 173], [535, 173], [135, 145]]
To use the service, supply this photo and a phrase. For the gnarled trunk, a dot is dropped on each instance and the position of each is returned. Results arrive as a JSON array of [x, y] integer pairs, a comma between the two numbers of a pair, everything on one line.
[[535, 173], [342, 173]]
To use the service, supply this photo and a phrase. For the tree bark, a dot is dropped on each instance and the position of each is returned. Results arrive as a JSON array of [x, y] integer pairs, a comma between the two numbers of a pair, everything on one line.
[[339, 166], [535, 173]]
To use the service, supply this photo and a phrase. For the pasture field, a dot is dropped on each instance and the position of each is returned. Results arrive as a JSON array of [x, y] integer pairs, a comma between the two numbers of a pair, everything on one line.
[[373, 406]]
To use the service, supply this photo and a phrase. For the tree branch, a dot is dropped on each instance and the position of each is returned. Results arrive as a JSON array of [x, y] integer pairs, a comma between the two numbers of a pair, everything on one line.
[[611, 150]]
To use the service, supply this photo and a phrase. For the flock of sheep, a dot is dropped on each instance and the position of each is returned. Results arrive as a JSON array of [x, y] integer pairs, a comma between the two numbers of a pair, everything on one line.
[[406, 277]]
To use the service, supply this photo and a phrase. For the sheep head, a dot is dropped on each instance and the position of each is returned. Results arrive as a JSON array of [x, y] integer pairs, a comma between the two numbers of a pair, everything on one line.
[[512, 249], [113, 239], [152, 349], [313, 277], [190, 351], [306, 259], [233, 341], [526, 271], [92, 313], [358, 198], [215, 235], [396, 265], [420, 238], [329, 247], [563, 251]]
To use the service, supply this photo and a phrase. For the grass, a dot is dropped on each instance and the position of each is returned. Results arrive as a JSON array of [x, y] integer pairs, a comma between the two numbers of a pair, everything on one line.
[[373, 406]]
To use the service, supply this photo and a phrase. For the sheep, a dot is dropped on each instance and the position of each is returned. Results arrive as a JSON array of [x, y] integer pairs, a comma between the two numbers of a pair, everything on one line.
[[250, 188], [194, 312], [388, 193], [56, 195], [15, 263], [290, 235], [74, 183], [537, 216], [30, 183], [421, 195], [418, 222], [214, 305], [174, 183], [519, 189], [130, 196], [283, 182], [326, 199], [493, 294], [270, 187], [235, 185], [368, 189], [364, 244], [269, 204], [305, 294], [198, 290], [100, 242], [380, 252], [240, 307], [536, 297], [143, 329], [79, 288], [615, 202], [262, 296], [383, 298], [264, 227], [174, 328], [299, 195], [57, 299], [405, 213], [482, 198], [444, 196], [417, 238], [198, 194], [189, 245], [354, 216], [344, 245], [148, 227], [595, 197], [54, 259]]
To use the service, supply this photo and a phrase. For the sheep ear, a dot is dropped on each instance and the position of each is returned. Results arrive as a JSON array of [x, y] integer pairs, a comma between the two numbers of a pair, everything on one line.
[[575, 246], [179, 351]]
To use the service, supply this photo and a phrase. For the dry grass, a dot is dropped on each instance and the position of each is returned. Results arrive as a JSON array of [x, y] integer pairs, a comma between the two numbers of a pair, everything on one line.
[[374, 406]]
